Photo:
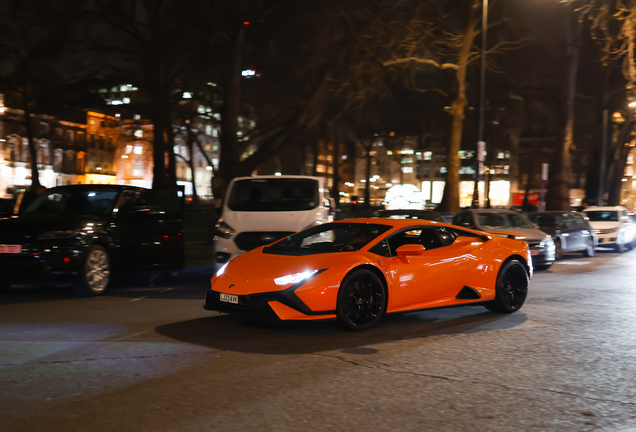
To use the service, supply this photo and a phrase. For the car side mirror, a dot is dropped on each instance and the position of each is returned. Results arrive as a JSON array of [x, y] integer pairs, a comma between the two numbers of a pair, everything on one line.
[[405, 251]]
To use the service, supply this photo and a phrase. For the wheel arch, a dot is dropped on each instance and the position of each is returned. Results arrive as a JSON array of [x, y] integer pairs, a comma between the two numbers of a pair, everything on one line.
[[378, 273], [517, 257]]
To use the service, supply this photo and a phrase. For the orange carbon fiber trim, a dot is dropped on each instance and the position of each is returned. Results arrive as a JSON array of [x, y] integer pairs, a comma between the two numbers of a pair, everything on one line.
[[287, 313]]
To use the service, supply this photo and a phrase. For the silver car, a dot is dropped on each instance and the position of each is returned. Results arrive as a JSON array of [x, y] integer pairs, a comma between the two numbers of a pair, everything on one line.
[[541, 244]]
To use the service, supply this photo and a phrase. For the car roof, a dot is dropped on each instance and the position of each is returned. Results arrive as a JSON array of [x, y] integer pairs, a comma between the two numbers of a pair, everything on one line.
[[599, 208], [392, 222], [409, 211], [490, 211], [96, 186], [299, 177]]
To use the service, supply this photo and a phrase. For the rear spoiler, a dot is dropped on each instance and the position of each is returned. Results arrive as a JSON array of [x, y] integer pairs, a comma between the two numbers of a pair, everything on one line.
[[510, 235]]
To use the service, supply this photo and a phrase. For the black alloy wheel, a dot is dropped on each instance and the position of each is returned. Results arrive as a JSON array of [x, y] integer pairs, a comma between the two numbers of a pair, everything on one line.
[[558, 249], [512, 288], [589, 248], [361, 300]]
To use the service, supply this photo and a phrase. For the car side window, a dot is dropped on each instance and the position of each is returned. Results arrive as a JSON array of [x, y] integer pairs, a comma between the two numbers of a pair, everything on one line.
[[447, 236], [382, 249], [462, 219]]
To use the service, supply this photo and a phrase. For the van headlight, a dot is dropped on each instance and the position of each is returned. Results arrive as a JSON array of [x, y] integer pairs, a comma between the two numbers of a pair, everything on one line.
[[223, 230], [547, 243]]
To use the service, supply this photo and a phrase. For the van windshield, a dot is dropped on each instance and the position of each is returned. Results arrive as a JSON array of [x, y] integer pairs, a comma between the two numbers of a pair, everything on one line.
[[284, 194]]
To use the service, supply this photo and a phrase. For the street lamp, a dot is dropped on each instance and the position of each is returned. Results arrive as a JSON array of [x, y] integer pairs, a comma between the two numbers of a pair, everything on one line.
[[481, 144]]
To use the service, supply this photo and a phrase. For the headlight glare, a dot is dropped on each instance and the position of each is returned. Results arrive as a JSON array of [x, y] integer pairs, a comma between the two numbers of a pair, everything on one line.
[[294, 278], [222, 269]]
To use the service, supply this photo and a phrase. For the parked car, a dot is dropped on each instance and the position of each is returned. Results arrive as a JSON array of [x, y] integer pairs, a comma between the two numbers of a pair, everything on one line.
[[502, 222], [431, 215], [81, 233], [570, 230], [7, 206], [260, 210], [613, 226]]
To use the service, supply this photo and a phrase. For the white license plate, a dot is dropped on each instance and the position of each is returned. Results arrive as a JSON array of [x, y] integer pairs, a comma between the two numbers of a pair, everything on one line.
[[10, 249], [228, 298], [534, 252]]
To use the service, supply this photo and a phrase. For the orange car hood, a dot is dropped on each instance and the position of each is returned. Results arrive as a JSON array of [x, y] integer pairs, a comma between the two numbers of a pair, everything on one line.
[[255, 271]]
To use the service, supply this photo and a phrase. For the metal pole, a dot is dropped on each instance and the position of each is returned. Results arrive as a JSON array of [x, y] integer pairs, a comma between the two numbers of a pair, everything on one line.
[[601, 186], [482, 104]]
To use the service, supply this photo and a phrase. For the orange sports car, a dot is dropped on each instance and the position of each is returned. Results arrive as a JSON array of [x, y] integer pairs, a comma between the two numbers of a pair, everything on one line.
[[356, 270]]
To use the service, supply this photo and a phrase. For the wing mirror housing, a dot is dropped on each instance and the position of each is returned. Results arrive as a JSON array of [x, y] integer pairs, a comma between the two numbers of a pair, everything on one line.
[[405, 251]]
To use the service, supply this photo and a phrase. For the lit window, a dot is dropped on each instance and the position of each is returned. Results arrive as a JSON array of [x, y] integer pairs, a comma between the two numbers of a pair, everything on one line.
[[126, 100], [215, 147], [208, 129], [389, 152], [428, 155], [442, 170], [407, 160], [137, 117], [116, 102], [201, 109], [139, 149], [123, 88], [500, 155], [138, 169], [407, 170], [215, 132], [407, 151], [129, 149], [344, 157], [215, 163], [139, 133], [187, 95]]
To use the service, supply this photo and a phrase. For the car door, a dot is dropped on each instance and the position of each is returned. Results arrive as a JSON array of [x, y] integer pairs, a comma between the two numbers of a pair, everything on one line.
[[584, 229], [570, 232], [436, 274], [149, 228]]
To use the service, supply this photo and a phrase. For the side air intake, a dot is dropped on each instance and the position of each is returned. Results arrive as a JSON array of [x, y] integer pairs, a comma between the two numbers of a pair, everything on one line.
[[468, 293]]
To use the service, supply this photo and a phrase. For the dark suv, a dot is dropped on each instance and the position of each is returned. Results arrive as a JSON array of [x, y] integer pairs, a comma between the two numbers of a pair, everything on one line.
[[85, 231]]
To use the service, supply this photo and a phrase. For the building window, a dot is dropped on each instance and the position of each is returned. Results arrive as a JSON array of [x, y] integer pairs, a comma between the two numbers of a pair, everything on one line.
[[70, 136], [428, 155], [139, 133], [408, 160], [138, 169], [80, 166], [208, 129], [407, 170], [129, 149], [139, 149], [59, 160]]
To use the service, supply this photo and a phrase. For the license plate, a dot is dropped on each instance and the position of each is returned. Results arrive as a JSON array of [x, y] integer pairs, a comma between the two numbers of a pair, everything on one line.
[[229, 298], [534, 252], [10, 249]]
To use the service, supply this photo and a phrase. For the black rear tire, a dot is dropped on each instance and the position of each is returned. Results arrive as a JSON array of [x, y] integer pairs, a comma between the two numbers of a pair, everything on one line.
[[362, 300], [511, 289], [96, 275]]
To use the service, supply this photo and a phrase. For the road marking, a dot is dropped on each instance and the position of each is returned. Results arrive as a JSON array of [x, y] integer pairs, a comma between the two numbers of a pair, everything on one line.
[[574, 262], [140, 298]]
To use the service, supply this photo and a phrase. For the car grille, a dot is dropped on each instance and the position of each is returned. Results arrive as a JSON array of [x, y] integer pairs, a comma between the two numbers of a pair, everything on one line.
[[251, 240]]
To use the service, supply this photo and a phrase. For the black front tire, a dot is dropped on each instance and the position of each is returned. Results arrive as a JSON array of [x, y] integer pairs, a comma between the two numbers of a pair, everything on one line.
[[511, 289], [362, 300], [96, 275]]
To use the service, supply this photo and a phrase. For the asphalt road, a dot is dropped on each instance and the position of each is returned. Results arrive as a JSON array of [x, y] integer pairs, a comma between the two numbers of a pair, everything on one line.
[[149, 358]]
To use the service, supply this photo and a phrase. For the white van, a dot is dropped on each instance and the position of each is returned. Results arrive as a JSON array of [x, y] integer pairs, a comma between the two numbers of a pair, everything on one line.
[[259, 210], [613, 226]]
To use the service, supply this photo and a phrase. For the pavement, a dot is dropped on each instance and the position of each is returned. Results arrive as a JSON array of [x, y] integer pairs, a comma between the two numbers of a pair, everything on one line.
[[147, 357]]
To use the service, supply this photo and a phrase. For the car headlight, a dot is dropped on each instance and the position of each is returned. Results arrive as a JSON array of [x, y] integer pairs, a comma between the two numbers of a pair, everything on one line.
[[223, 230], [547, 243], [222, 269], [50, 235], [294, 278]]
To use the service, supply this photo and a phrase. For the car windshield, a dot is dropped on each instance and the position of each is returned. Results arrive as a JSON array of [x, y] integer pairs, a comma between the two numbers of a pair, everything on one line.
[[503, 220], [392, 214], [602, 215], [73, 202], [542, 219], [334, 237], [283, 194]]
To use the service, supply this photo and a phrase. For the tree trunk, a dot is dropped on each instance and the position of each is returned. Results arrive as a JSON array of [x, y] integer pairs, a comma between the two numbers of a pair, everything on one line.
[[367, 183], [171, 169], [336, 161], [28, 124], [559, 181], [617, 168], [229, 118], [450, 201], [160, 179]]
